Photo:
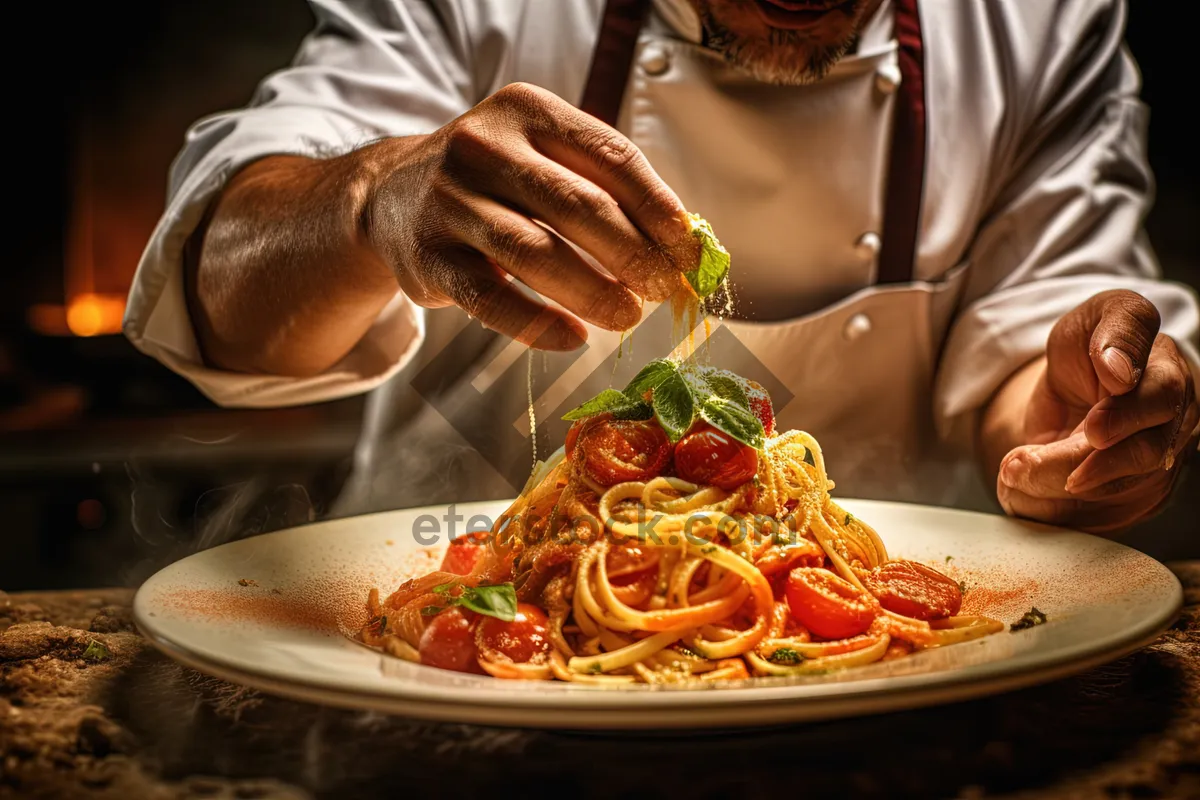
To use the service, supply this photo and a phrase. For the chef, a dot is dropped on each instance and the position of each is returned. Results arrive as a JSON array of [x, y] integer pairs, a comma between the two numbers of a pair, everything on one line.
[[475, 210]]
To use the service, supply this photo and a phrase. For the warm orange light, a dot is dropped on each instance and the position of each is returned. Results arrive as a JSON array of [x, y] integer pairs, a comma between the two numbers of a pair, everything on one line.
[[49, 319], [95, 314], [83, 318]]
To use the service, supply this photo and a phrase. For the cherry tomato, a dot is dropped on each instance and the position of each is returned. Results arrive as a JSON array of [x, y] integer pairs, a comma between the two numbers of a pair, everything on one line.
[[573, 435], [828, 605], [616, 451], [914, 590], [449, 641], [527, 636], [760, 404], [462, 555], [713, 457], [577, 427]]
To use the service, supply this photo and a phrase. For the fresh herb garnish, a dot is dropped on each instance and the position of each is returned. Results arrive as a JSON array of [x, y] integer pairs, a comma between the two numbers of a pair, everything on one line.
[[679, 393], [738, 421], [596, 669], [949, 559], [499, 601], [849, 519], [725, 386], [808, 458], [714, 259], [674, 406], [96, 651], [650, 376], [619, 404], [785, 655], [1032, 617]]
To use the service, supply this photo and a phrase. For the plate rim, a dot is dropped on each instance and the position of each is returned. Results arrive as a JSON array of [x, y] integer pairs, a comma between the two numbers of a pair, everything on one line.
[[881, 693], [681, 716]]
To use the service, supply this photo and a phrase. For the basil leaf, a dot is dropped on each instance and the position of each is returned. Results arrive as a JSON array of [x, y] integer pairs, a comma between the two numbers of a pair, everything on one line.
[[639, 411], [429, 611], [714, 259], [619, 404], [674, 406], [498, 601], [734, 420], [727, 387], [650, 377]]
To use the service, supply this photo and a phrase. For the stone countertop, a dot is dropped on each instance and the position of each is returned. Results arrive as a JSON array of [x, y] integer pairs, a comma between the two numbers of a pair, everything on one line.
[[123, 721]]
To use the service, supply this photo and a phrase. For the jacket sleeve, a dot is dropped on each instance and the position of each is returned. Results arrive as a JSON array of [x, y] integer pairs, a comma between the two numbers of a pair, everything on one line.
[[1067, 220], [368, 69]]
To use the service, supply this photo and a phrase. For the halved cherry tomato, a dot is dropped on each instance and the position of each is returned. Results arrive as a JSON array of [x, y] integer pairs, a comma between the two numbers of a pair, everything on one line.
[[527, 636], [760, 404], [828, 605], [616, 451], [462, 555], [449, 641], [713, 457], [914, 590], [577, 427]]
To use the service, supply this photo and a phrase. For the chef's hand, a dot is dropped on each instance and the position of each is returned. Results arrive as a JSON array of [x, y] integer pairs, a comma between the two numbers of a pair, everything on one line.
[[453, 216], [1108, 421]]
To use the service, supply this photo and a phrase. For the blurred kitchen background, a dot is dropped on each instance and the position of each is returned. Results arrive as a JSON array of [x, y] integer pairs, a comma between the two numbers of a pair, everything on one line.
[[110, 464]]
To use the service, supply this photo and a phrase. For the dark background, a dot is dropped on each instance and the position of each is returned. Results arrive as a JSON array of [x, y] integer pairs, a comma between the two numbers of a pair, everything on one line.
[[109, 464]]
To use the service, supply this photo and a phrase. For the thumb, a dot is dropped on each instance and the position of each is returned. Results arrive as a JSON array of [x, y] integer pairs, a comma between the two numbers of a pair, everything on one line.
[[1117, 330]]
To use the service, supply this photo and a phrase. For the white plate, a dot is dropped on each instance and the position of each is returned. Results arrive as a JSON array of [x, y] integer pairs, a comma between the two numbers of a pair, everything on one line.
[[286, 631]]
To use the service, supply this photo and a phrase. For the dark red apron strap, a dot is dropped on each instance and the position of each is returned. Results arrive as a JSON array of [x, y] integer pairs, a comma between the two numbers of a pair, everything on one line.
[[906, 165], [613, 58]]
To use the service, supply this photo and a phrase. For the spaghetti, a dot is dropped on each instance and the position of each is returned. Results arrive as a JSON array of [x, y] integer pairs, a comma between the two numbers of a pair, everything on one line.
[[662, 545]]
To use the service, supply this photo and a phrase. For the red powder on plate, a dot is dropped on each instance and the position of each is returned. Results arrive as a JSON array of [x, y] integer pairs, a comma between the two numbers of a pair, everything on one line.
[[982, 599], [325, 607]]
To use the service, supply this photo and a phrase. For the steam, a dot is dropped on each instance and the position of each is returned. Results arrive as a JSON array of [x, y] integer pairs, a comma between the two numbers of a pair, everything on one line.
[[170, 521]]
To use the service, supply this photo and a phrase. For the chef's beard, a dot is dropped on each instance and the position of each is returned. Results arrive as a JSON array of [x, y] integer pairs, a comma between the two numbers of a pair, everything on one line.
[[780, 60], [783, 58]]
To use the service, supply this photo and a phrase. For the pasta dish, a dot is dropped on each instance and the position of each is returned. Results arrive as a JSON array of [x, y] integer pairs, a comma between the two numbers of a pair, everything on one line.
[[676, 536]]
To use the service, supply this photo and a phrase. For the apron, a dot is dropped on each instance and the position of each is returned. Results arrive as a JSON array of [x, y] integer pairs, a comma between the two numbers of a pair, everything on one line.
[[855, 368]]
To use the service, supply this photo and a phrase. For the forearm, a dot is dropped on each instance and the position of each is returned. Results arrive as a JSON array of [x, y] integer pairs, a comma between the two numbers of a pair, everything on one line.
[[282, 279], [1002, 425]]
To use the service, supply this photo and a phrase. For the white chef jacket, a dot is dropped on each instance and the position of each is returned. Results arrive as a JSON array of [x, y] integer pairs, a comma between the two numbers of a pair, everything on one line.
[[1035, 189]]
